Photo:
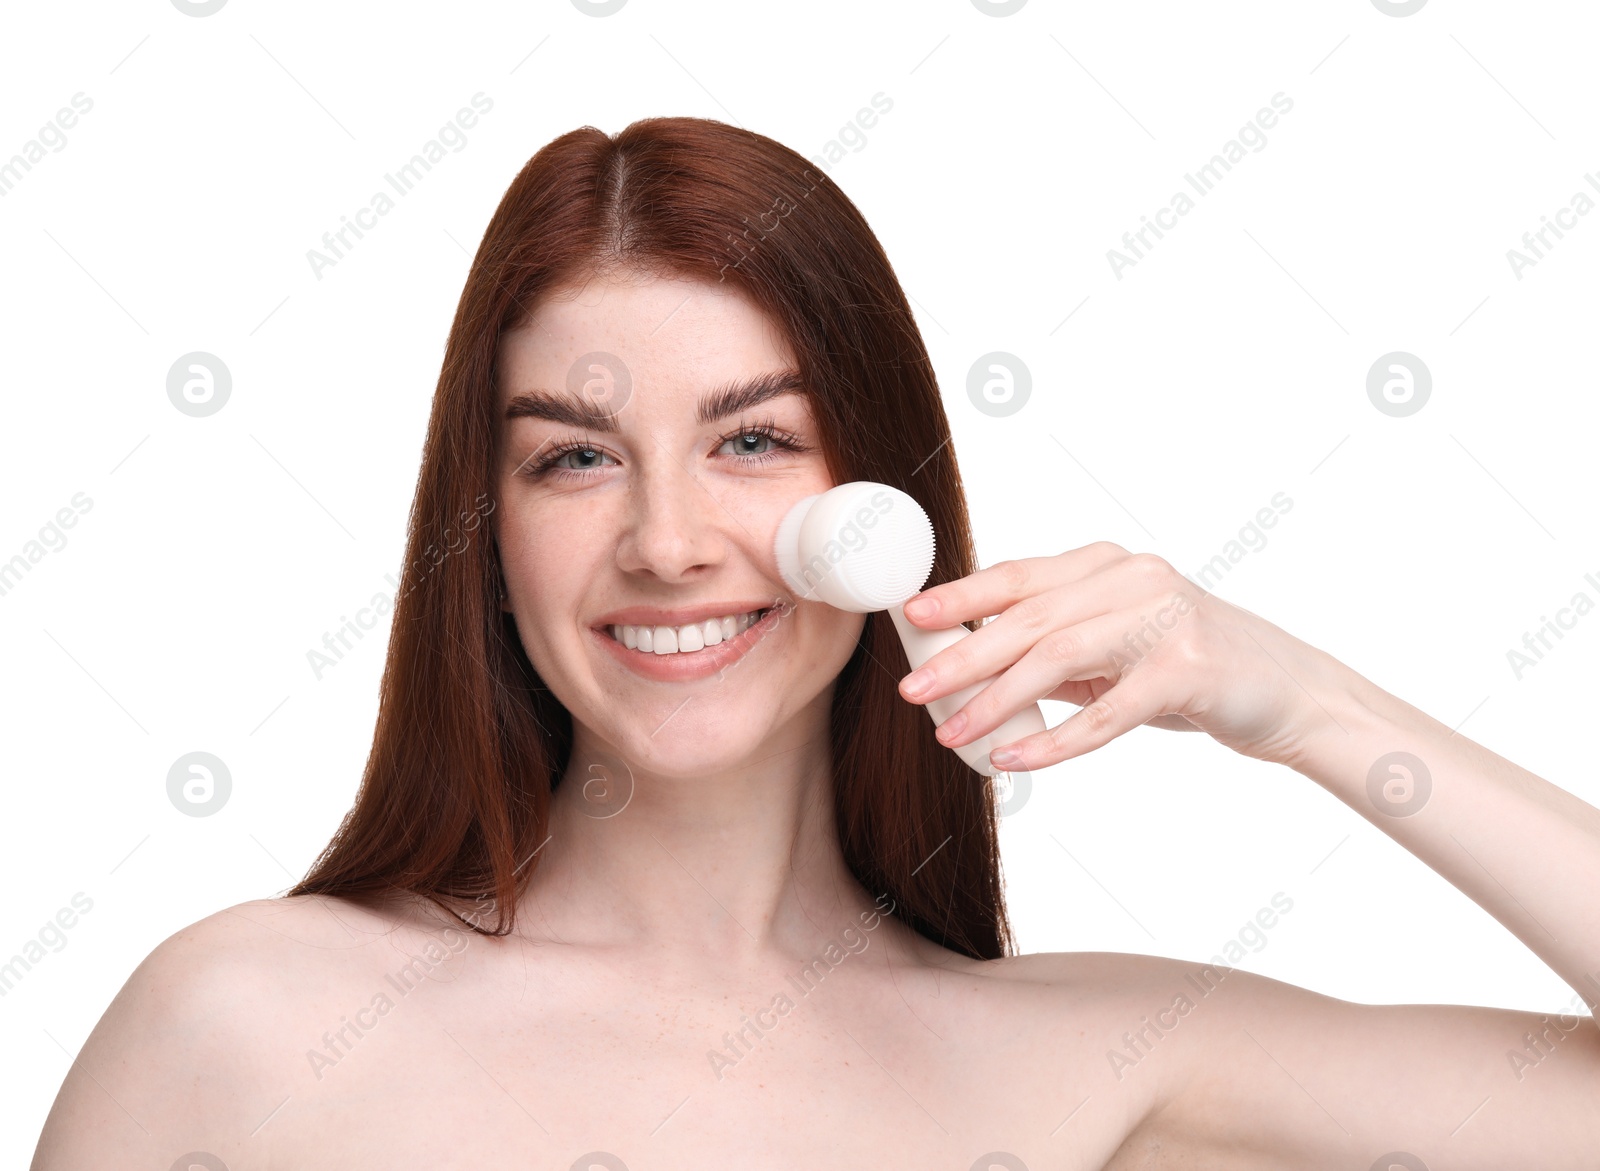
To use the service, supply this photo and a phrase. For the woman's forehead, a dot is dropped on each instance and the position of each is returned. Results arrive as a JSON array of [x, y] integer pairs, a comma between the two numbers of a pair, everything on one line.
[[663, 338], [639, 306]]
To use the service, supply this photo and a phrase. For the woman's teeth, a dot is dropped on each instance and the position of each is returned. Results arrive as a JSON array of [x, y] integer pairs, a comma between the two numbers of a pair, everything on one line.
[[671, 640]]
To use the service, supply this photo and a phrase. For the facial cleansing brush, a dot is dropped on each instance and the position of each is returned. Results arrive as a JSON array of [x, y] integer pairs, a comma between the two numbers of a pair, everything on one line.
[[863, 547]]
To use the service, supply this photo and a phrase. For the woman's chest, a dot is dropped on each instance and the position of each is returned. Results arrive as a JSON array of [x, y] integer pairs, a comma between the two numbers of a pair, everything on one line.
[[638, 1079]]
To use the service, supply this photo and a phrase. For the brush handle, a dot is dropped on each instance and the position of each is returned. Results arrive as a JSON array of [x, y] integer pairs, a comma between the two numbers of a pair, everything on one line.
[[921, 645]]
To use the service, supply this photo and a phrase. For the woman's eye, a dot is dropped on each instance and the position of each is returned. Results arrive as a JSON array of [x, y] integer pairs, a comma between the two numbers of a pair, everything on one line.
[[586, 457], [575, 459], [749, 443]]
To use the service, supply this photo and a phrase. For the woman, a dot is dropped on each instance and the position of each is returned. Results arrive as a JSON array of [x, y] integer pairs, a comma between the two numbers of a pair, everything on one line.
[[654, 865]]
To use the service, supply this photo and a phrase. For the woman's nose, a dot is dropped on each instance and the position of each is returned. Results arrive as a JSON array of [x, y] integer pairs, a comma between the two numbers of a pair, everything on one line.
[[674, 525]]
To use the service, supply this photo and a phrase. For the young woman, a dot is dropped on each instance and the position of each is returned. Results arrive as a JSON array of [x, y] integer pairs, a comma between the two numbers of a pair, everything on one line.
[[655, 866]]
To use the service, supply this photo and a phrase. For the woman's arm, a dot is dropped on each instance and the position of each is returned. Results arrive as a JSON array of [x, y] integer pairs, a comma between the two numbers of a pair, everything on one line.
[[1526, 851], [1293, 1078], [1132, 641]]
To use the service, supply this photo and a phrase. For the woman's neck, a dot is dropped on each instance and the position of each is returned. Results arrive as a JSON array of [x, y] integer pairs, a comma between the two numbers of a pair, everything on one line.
[[743, 865]]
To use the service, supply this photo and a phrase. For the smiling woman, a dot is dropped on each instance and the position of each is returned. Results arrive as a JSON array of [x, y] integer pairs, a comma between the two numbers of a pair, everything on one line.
[[655, 508], [652, 783]]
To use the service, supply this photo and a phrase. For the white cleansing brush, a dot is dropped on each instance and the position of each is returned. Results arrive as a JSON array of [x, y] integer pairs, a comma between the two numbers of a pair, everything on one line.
[[863, 547]]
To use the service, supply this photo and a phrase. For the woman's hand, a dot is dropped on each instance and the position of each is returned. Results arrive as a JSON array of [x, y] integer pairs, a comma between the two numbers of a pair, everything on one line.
[[1130, 640]]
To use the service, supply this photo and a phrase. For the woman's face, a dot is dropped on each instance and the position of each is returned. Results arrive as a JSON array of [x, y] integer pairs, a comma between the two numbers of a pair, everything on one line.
[[637, 487]]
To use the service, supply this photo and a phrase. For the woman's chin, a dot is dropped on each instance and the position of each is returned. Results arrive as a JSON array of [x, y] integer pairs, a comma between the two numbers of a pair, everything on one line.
[[680, 745]]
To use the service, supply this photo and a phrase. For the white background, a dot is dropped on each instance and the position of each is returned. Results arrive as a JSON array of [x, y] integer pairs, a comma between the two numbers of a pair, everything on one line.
[[1228, 365]]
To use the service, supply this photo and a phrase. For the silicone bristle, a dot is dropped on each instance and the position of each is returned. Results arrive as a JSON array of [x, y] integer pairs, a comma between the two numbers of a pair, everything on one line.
[[895, 561]]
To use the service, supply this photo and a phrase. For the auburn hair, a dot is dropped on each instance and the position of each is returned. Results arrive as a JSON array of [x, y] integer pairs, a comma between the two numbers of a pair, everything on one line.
[[469, 744]]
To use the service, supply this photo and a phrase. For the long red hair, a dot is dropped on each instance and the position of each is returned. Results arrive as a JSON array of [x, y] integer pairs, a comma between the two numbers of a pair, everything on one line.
[[469, 743]]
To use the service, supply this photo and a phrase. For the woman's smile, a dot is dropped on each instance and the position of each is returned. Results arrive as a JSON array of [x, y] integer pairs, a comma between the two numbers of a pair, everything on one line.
[[689, 650]]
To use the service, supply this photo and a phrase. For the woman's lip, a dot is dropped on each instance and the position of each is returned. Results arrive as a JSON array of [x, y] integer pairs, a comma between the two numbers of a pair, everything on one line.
[[689, 665], [683, 616]]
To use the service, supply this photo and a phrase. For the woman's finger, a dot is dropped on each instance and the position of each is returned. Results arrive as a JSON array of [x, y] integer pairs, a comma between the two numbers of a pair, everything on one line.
[[1096, 649], [989, 591], [996, 645], [1130, 703]]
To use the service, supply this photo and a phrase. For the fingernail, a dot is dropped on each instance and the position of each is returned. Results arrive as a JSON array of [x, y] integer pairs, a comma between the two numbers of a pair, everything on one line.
[[922, 607], [917, 683], [1004, 758], [951, 728]]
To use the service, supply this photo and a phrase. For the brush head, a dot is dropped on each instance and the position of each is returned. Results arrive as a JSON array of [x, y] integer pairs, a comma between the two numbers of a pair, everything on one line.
[[860, 546]]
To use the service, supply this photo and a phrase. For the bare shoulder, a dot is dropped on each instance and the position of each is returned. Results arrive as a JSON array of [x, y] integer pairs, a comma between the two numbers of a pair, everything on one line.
[[1104, 981], [1101, 1014], [1083, 969], [1216, 1067], [1142, 1030], [1110, 1040], [185, 1057], [1078, 977]]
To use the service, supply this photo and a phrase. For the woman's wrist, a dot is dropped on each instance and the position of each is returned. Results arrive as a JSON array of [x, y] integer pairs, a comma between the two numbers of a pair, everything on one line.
[[1352, 730]]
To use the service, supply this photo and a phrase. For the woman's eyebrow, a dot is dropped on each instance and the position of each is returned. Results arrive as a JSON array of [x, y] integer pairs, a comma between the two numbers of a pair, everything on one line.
[[743, 394], [729, 399]]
